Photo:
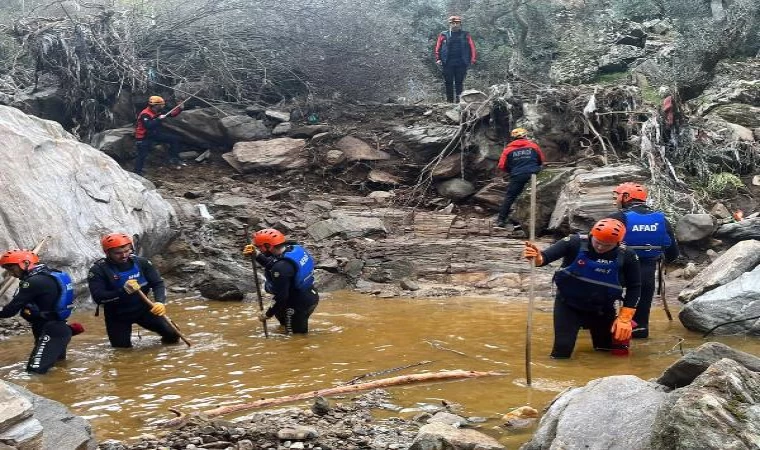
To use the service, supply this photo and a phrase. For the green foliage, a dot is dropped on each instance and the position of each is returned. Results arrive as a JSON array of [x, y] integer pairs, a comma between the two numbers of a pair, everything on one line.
[[611, 78], [722, 185]]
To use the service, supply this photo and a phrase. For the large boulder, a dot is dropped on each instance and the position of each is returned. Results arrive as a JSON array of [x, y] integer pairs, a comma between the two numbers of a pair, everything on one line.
[[449, 167], [199, 126], [440, 436], [691, 365], [719, 410], [549, 184], [618, 58], [455, 189], [357, 150], [277, 154], [739, 231], [739, 113], [46, 103], [244, 128], [31, 422], [615, 412], [742, 257], [694, 227], [733, 301], [56, 186], [346, 226], [422, 143], [118, 143], [587, 196]]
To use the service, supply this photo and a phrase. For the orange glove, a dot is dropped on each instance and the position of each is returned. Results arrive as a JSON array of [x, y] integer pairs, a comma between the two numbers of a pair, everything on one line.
[[531, 251], [622, 327]]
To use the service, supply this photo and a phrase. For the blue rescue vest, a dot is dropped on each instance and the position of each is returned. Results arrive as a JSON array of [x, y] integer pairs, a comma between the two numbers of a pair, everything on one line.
[[64, 304], [133, 273], [646, 234], [588, 283], [304, 264]]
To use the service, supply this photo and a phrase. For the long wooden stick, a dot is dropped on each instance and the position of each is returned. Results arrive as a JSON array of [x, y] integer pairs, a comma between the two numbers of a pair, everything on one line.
[[382, 383], [661, 281], [168, 320], [531, 292], [8, 283], [258, 285]]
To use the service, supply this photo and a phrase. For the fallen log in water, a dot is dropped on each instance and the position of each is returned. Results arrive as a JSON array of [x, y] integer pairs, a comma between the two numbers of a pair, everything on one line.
[[382, 383]]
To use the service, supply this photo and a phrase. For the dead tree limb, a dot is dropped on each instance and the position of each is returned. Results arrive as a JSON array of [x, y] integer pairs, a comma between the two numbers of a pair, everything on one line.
[[382, 383]]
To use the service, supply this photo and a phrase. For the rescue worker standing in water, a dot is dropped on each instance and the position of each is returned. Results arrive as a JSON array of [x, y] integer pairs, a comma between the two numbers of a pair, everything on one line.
[[289, 272], [45, 298], [114, 282], [592, 276], [649, 234]]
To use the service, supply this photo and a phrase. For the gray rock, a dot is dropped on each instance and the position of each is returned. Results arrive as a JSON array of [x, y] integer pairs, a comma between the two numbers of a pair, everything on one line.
[[91, 191], [450, 166], [16, 408], [46, 103], [308, 131], [118, 143], [321, 406], [439, 436], [198, 126], [736, 300], [739, 113], [719, 410], [690, 366], [740, 231], [358, 150], [618, 57], [741, 258], [581, 417], [245, 444], [347, 227], [448, 419], [282, 128], [690, 271], [112, 444], [278, 154], [587, 196], [62, 429], [424, 142], [455, 189], [185, 156], [383, 177], [474, 104], [549, 184], [335, 157], [298, 433], [233, 202], [279, 116], [720, 211], [244, 128], [694, 227], [390, 271], [221, 289], [409, 285], [26, 434]]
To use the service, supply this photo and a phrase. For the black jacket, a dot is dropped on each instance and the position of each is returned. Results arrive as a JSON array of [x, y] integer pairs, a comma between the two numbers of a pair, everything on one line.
[[114, 299]]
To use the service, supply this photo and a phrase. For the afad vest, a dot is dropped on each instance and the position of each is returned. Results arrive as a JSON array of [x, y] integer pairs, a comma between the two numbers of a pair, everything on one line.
[[304, 263], [466, 50], [646, 234], [591, 284], [64, 305], [118, 279], [140, 131]]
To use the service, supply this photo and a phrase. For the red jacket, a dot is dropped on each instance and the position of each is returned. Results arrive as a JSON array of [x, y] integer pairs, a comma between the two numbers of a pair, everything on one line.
[[148, 121], [521, 156]]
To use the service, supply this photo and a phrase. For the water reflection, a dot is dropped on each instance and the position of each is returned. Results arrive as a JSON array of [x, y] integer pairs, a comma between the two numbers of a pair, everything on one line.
[[121, 391]]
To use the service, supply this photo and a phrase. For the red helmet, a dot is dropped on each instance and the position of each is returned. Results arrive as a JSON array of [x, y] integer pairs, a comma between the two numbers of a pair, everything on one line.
[[267, 238], [608, 231], [115, 240], [634, 191], [24, 258]]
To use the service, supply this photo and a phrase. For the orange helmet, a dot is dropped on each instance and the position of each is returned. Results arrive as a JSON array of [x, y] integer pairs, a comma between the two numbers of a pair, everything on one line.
[[453, 19], [24, 258], [267, 238], [608, 231], [519, 133], [115, 240], [156, 100], [635, 191]]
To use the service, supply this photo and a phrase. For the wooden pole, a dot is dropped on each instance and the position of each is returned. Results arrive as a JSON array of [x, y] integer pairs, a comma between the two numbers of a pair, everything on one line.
[[11, 281], [258, 284], [337, 390], [168, 320], [661, 280], [531, 292]]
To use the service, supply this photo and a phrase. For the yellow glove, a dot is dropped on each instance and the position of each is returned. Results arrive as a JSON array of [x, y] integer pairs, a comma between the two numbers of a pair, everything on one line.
[[131, 286], [263, 316], [621, 327], [158, 309], [249, 250], [531, 251]]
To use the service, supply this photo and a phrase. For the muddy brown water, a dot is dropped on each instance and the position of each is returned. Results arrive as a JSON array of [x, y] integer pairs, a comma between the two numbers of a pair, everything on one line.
[[122, 391]]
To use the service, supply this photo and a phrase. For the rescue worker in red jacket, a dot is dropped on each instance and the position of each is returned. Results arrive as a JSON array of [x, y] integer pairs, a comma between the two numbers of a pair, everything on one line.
[[594, 272], [149, 132], [454, 53], [521, 158], [651, 236], [114, 282], [45, 298], [289, 273]]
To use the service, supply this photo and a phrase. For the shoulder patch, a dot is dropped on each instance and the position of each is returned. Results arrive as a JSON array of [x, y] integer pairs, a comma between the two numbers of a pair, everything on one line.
[[276, 274], [566, 238], [23, 285], [91, 275]]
